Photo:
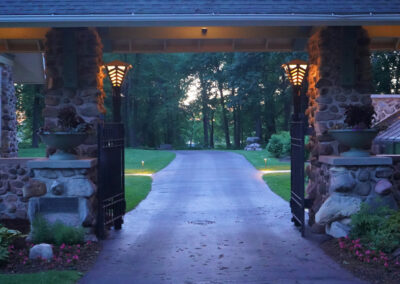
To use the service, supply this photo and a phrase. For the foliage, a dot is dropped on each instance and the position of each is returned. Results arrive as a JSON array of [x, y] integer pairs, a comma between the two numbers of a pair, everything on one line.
[[359, 116], [6, 238], [47, 277], [377, 229], [57, 233], [386, 72], [279, 144]]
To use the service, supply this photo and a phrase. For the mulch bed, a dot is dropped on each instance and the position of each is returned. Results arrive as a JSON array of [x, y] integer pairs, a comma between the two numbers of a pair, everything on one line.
[[371, 266], [65, 257]]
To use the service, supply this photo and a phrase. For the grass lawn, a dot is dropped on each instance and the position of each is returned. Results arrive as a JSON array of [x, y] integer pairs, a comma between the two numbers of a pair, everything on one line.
[[47, 277], [136, 189], [154, 160], [256, 158], [32, 152], [279, 183]]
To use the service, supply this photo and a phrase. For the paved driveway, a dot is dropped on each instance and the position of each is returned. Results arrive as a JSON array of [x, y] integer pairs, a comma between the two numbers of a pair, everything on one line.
[[210, 218]]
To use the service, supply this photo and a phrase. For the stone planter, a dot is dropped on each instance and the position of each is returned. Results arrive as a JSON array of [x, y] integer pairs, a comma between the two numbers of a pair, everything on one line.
[[357, 140], [64, 142]]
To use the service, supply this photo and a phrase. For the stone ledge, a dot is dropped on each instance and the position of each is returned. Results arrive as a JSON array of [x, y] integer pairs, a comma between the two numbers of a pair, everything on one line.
[[355, 161], [62, 164]]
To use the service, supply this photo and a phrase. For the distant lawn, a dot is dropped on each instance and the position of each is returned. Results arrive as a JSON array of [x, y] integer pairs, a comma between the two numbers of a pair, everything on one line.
[[32, 152], [154, 160], [136, 189], [279, 183], [47, 277], [256, 158]]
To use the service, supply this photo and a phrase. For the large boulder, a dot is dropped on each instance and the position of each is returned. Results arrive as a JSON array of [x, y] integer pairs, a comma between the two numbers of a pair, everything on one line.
[[34, 188], [336, 207], [43, 251], [253, 147], [252, 140], [341, 181], [383, 187]]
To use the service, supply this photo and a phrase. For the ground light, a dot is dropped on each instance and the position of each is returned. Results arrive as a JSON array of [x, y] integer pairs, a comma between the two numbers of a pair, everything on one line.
[[265, 161], [116, 71]]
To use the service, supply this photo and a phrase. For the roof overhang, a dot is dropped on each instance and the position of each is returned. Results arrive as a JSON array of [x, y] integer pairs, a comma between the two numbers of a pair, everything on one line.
[[140, 20]]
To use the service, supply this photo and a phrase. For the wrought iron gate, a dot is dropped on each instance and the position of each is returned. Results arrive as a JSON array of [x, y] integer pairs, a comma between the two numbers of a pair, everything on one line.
[[297, 131], [111, 188]]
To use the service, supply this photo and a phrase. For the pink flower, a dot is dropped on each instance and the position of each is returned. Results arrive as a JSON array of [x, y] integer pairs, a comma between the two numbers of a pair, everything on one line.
[[78, 246], [62, 246], [375, 259], [68, 260], [88, 242], [78, 251], [75, 257], [367, 251], [386, 264]]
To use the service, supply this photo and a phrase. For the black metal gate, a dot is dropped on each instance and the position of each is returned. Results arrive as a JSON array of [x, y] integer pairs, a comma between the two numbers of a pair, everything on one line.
[[111, 188], [297, 131]]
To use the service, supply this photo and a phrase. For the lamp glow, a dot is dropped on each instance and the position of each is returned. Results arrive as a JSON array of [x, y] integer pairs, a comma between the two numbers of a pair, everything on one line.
[[296, 71]]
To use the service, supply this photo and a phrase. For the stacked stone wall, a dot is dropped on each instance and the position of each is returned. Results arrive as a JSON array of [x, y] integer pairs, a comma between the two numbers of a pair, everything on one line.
[[387, 108], [88, 96], [9, 143], [328, 98], [14, 175]]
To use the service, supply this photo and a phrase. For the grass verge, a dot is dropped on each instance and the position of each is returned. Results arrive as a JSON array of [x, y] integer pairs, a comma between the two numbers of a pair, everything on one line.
[[256, 158], [154, 160], [46, 277], [136, 189], [279, 183]]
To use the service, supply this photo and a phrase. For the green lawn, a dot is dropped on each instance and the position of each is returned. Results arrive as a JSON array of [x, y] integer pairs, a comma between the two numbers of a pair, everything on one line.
[[256, 158], [279, 183], [32, 152], [154, 160], [136, 189], [48, 277]]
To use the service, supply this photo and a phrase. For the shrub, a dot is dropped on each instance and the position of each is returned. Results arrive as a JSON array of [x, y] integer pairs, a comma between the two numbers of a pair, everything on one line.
[[378, 229], [56, 233], [279, 144], [7, 236]]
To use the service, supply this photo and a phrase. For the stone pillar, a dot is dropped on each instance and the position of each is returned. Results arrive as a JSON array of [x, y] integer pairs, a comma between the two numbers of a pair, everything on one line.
[[74, 78], [333, 55], [9, 143]]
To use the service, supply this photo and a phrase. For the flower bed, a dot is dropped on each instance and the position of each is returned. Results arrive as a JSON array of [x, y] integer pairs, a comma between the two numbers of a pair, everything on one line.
[[371, 265], [65, 257]]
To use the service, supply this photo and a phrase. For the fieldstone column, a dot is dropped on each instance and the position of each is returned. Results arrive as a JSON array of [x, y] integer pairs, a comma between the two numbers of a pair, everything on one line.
[[74, 78], [339, 75], [9, 144]]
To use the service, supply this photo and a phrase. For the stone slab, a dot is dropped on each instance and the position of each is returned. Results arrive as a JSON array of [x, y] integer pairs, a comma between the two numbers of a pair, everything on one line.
[[62, 164], [355, 161]]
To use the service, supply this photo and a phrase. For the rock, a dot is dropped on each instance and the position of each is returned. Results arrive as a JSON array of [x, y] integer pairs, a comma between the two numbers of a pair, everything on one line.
[[364, 175], [48, 174], [383, 172], [86, 217], [80, 187], [341, 182], [43, 251], [253, 147], [251, 140], [67, 173], [57, 188], [363, 188], [336, 207], [318, 229], [337, 230], [34, 188], [383, 187], [346, 221], [396, 253], [374, 201]]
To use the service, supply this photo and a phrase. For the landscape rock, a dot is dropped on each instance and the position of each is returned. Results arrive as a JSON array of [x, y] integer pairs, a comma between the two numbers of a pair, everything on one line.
[[80, 187], [57, 188], [337, 229], [43, 251], [336, 207], [375, 201], [34, 188], [253, 147], [383, 187], [252, 140], [341, 182]]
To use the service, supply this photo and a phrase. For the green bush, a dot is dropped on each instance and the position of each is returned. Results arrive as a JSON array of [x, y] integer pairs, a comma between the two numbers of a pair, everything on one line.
[[7, 236], [279, 144], [56, 233], [378, 229]]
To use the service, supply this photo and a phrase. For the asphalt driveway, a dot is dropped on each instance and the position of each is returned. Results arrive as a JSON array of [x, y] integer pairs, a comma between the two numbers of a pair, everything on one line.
[[210, 218]]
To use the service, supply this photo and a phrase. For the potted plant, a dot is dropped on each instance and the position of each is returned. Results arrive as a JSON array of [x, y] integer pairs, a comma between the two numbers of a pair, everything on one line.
[[358, 135], [70, 132]]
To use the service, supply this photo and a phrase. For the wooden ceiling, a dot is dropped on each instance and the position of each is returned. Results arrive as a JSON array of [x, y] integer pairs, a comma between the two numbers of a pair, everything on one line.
[[192, 39]]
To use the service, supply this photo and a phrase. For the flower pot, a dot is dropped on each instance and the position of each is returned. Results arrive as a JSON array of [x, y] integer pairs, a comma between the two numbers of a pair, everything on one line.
[[64, 142], [357, 139]]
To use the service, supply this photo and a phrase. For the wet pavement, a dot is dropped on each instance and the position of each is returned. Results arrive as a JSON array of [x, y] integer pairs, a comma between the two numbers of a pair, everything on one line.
[[210, 218]]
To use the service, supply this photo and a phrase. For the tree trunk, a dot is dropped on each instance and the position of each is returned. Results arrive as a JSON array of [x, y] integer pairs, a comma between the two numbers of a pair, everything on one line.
[[257, 121], [224, 118], [269, 113], [204, 101], [35, 118]]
